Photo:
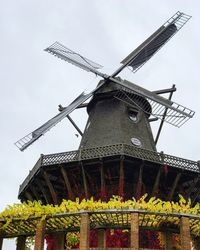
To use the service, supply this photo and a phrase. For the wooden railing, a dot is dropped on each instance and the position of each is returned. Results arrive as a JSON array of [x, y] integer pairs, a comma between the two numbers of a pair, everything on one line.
[[109, 151]]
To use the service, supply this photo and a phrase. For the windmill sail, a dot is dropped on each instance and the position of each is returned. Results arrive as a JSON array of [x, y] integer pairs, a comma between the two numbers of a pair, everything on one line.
[[151, 45], [62, 52], [143, 55], [27, 140], [176, 115]]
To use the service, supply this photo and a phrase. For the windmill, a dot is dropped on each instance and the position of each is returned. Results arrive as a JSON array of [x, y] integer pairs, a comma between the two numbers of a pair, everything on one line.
[[117, 154], [117, 136], [140, 100]]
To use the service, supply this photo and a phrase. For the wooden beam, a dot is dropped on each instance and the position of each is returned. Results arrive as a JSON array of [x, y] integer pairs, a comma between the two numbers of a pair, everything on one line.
[[193, 199], [75, 182], [170, 196], [50, 186], [121, 178], [156, 183], [33, 190], [103, 183], [85, 184], [21, 243], [185, 233], [84, 232], [29, 196], [134, 231], [67, 183], [39, 236], [191, 188], [139, 183], [93, 185], [43, 190]]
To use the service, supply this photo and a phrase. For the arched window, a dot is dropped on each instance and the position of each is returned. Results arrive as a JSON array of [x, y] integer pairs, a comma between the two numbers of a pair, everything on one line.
[[133, 115]]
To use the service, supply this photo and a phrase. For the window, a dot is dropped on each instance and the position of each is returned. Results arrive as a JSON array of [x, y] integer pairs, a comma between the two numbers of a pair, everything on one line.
[[133, 115]]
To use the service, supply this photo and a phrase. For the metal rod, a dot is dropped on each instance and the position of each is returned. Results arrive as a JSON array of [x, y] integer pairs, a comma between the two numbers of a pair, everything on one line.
[[83, 105], [163, 119], [74, 124], [164, 91], [153, 119]]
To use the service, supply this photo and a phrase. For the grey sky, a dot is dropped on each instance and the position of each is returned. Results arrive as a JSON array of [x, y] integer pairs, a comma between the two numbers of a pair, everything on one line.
[[33, 82]]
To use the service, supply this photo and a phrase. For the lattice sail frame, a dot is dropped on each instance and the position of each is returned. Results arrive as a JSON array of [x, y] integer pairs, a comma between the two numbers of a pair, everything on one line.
[[27, 140], [156, 41], [59, 50], [172, 117]]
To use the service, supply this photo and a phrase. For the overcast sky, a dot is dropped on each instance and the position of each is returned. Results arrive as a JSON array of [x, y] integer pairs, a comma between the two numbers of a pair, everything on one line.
[[33, 82]]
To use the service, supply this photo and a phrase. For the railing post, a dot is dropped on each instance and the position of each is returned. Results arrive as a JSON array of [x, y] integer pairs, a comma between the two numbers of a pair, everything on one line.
[[84, 232], [21, 243], [39, 237], [134, 231], [80, 154], [185, 233], [101, 238], [41, 159]]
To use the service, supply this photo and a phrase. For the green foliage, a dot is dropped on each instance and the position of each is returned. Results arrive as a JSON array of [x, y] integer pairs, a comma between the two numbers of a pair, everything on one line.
[[36, 209]]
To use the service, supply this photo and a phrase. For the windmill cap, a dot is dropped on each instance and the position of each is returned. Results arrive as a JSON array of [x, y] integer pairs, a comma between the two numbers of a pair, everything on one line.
[[113, 90]]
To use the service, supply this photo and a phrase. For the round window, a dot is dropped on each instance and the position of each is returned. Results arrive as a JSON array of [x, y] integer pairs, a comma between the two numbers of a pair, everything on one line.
[[136, 142]]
